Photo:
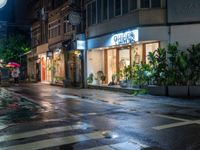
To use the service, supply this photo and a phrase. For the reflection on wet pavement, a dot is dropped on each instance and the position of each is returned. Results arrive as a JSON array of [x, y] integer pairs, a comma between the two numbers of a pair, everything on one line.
[[14, 108]]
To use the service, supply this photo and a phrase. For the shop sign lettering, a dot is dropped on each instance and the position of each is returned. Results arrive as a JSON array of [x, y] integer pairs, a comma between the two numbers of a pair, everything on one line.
[[125, 37]]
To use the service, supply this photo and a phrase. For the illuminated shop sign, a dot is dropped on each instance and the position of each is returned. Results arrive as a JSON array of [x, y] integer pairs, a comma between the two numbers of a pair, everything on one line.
[[80, 45], [49, 54], [125, 37]]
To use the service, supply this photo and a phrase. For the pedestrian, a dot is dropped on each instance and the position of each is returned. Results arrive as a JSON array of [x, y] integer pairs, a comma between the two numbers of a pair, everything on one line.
[[15, 75]]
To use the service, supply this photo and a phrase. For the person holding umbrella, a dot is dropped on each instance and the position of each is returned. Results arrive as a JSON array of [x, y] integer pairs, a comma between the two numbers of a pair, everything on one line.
[[15, 74]]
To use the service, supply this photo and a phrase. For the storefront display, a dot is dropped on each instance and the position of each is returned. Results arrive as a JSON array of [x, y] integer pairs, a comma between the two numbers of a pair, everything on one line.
[[120, 50]]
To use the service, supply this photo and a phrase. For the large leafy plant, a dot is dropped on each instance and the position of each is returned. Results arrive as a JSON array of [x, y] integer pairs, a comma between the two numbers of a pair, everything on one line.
[[158, 62], [194, 64], [142, 74], [178, 65]]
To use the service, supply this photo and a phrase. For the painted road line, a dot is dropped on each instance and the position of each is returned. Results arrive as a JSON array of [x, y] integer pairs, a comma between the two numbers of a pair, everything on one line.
[[170, 117], [107, 147], [120, 146], [3, 127], [43, 132], [56, 142], [173, 125]]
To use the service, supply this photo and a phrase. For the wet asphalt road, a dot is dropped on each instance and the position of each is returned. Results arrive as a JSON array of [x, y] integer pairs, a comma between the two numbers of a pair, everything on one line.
[[115, 120]]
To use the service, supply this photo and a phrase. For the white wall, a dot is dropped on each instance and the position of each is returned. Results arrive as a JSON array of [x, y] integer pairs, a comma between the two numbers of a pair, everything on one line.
[[95, 62], [185, 35]]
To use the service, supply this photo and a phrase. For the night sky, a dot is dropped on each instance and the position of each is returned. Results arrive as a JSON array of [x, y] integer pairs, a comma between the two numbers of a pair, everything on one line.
[[15, 11]]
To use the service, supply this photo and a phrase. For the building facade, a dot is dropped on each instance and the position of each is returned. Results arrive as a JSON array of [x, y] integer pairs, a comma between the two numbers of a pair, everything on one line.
[[55, 39], [77, 38], [123, 32]]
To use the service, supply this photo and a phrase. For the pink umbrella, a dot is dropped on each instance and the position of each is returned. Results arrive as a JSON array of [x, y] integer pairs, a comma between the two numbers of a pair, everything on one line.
[[13, 64]]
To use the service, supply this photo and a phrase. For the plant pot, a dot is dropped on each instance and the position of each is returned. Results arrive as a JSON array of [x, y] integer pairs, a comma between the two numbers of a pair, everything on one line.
[[157, 90], [178, 91], [194, 91], [66, 83], [123, 84]]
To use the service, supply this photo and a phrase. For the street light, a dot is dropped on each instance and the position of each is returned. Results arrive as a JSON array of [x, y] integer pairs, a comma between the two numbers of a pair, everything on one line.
[[2, 3]]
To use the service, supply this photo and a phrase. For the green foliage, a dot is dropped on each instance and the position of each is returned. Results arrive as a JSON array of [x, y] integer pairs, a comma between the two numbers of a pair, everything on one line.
[[179, 65], [128, 72], [158, 62], [194, 63], [142, 74], [101, 76], [90, 78], [139, 92], [12, 47]]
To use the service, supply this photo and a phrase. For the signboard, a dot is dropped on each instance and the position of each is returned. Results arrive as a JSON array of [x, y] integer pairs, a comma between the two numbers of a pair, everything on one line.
[[183, 11], [126, 37], [49, 54], [80, 45], [74, 18]]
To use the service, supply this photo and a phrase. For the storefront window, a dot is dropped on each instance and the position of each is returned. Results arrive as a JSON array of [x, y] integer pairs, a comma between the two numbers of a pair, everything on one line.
[[137, 54], [150, 48], [124, 58], [58, 64], [95, 62], [111, 65]]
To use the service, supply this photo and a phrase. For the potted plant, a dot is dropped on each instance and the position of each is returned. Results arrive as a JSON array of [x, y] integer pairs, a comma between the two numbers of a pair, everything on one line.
[[99, 77], [178, 72], [113, 82], [142, 74], [127, 75], [194, 65], [158, 67], [90, 78]]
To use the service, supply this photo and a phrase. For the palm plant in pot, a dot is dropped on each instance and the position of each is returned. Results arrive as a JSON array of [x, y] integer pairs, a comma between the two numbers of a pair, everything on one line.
[[158, 63], [194, 65], [142, 74], [178, 71]]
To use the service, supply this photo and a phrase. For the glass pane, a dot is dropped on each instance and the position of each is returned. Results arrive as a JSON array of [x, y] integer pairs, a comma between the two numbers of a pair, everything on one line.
[[93, 13], [105, 9], [144, 4], [155, 3], [125, 6], [111, 8], [150, 48], [133, 4], [111, 66], [98, 11], [124, 58], [89, 14], [117, 7]]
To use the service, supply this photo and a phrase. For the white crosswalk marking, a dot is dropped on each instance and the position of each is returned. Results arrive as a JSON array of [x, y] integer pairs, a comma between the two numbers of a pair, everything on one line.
[[56, 142], [119, 146], [65, 140], [42, 132]]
